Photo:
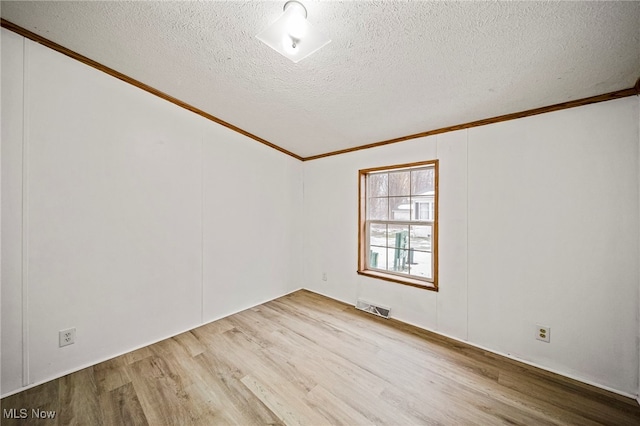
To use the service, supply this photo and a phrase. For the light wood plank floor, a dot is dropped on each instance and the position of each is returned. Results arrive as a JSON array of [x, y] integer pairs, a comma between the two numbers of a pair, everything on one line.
[[306, 359]]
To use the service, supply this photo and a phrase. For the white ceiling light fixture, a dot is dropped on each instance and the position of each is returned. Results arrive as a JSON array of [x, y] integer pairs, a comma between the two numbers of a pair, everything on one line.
[[292, 35]]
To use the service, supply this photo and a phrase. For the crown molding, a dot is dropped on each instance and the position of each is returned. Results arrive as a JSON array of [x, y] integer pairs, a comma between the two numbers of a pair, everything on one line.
[[632, 91], [120, 76]]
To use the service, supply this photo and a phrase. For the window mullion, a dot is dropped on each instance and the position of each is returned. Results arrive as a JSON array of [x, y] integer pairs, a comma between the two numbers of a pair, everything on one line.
[[385, 196]]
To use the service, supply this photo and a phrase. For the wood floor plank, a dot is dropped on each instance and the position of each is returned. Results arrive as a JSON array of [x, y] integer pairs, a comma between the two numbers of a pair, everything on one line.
[[44, 397], [79, 395], [223, 379], [595, 411], [190, 343], [284, 403], [111, 375], [345, 375], [334, 409], [160, 391], [265, 364], [207, 406], [136, 355], [306, 359], [121, 406]]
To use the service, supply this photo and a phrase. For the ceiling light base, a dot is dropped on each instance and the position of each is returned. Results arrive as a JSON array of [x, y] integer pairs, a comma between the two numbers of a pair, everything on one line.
[[295, 3], [292, 35]]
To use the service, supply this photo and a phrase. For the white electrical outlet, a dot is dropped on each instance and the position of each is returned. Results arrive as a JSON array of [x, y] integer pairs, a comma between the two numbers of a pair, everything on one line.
[[67, 337], [324, 276], [543, 333]]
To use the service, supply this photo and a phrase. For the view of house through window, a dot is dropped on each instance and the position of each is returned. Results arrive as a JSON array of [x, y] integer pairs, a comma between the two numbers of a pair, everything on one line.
[[398, 230]]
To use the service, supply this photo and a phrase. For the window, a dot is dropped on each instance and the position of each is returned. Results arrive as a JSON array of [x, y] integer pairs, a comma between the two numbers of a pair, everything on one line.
[[398, 224]]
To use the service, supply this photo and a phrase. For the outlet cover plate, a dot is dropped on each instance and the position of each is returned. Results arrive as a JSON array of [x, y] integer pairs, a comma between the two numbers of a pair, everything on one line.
[[67, 337], [543, 333]]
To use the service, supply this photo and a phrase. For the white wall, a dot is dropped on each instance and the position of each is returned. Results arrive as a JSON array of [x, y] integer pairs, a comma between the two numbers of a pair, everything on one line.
[[11, 299], [538, 225], [253, 212], [142, 219], [553, 240]]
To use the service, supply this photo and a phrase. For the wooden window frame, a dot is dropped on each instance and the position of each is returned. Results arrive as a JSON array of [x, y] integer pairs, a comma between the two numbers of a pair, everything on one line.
[[363, 245]]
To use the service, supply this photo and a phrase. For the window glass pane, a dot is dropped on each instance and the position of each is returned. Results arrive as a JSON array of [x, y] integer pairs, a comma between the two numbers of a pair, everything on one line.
[[398, 260], [399, 183], [398, 236], [378, 209], [422, 181], [377, 234], [422, 208], [378, 185], [420, 237], [399, 208], [420, 264], [378, 257], [400, 212], [398, 243]]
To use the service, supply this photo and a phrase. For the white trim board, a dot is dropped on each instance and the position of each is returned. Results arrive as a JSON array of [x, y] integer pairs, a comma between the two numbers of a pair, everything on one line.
[[86, 365], [514, 358]]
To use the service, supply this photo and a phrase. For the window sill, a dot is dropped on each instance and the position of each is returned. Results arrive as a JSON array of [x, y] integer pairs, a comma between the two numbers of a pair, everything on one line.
[[400, 280]]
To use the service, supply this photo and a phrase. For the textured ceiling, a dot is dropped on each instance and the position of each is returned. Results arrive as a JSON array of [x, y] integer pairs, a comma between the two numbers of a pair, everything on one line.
[[392, 69]]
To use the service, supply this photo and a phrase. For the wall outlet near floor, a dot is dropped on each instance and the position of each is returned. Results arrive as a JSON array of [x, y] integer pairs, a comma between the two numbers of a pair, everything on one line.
[[67, 337], [324, 276], [543, 333]]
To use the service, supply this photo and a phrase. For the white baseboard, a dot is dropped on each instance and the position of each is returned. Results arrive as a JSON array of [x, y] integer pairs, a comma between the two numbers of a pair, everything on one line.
[[523, 361], [351, 303], [533, 364], [89, 364]]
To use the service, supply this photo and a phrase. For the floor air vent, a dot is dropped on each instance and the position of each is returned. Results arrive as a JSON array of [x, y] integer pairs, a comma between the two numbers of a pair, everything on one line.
[[381, 311]]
